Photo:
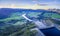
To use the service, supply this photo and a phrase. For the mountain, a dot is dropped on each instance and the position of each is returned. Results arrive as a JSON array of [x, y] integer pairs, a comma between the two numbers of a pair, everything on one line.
[[55, 10], [5, 12]]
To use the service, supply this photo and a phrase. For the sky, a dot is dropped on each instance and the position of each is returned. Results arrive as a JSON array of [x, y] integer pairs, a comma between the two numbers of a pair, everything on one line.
[[30, 4]]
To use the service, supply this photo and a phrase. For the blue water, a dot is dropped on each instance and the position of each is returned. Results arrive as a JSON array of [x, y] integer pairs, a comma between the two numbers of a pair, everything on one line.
[[51, 31]]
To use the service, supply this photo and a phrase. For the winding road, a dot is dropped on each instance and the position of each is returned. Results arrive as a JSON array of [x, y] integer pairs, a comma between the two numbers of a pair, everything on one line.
[[37, 23]]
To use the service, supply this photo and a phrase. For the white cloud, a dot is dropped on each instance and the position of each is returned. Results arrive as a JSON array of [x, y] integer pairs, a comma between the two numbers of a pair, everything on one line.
[[35, 6]]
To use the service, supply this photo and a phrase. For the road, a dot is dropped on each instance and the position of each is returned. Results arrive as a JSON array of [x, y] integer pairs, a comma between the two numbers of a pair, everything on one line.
[[38, 24]]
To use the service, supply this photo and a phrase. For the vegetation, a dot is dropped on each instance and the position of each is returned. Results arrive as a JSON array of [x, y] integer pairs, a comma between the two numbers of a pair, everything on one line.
[[17, 30], [53, 15], [16, 25]]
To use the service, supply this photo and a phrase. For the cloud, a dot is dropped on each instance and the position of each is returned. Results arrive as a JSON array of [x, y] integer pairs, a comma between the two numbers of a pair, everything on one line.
[[42, 4], [34, 6]]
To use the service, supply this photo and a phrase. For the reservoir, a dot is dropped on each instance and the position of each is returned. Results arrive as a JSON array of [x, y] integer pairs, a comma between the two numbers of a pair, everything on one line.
[[51, 31]]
